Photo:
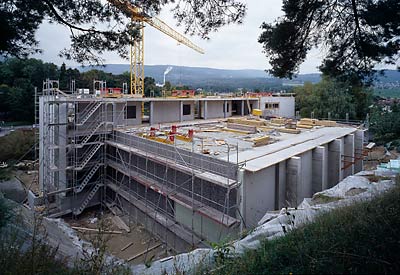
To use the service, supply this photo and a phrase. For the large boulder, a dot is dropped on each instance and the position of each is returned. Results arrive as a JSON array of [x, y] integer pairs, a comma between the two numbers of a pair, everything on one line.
[[13, 189]]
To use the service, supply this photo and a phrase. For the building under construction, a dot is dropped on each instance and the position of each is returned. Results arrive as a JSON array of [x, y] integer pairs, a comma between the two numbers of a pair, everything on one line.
[[191, 169]]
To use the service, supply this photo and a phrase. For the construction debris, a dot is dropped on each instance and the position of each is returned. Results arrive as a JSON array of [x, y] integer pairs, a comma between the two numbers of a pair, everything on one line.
[[95, 230], [121, 224], [126, 246]]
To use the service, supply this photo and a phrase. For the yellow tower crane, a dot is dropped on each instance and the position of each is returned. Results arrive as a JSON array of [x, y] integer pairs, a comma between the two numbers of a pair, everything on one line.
[[137, 49]]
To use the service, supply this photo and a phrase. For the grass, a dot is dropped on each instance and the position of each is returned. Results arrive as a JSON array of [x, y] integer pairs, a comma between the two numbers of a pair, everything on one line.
[[360, 239]]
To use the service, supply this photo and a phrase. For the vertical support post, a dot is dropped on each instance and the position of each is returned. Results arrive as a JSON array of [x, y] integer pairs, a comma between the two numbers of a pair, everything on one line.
[[205, 109]]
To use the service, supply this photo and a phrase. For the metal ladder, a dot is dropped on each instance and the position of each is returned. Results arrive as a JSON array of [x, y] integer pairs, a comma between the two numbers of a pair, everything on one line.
[[87, 200], [87, 178], [86, 139], [89, 113], [89, 156]]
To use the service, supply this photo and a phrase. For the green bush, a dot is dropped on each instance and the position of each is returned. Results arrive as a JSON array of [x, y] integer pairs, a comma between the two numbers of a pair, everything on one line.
[[16, 144], [360, 239]]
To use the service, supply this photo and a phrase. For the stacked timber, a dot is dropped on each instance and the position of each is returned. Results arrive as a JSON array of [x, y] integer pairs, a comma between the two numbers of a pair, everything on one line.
[[327, 123], [245, 121], [242, 127], [261, 141]]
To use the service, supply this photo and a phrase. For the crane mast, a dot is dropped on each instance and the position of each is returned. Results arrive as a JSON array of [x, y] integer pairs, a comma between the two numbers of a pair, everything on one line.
[[137, 46]]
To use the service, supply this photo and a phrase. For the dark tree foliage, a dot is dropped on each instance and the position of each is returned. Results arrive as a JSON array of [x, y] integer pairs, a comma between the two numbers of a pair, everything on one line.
[[354, 35], [97, 26]]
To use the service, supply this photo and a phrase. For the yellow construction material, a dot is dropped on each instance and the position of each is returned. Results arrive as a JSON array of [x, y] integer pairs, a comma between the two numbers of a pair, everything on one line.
[[279, 121], [308, 121], [183, 138], [244, 121], [327, 123], [304, 126], [261, 141], [265, 128], [257, 112], [160, 139]]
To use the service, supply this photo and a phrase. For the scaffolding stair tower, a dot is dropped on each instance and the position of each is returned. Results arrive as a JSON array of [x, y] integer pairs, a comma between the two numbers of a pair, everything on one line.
[[89, 156], [87, 200], [92, 132], [88, 112], [87, 178]]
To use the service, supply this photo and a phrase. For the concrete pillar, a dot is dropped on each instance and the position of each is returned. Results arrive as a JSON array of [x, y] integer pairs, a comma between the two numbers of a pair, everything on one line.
[[348, 163], [180, 111], [281, 174], [242, 102], [151, 113], [225, 108], [319, 169], [293, 181], [358, 149], [334, 162], [305, 188], [205, 109]]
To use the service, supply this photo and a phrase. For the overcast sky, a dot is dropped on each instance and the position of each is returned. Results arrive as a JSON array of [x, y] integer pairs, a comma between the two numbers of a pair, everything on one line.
[[232, 47]]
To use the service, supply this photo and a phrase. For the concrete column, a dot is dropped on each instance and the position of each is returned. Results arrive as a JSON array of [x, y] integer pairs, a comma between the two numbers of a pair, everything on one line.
[[180, 111], [205, 109], [293, 181], [348, 155], [151, 113], [282, 184], [225, 108], [334, 162], [358, 148], [242, 102], [319, 169], [305, 189]]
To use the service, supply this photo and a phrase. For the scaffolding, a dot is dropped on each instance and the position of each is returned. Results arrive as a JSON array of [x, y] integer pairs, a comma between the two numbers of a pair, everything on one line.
[[87, 160]]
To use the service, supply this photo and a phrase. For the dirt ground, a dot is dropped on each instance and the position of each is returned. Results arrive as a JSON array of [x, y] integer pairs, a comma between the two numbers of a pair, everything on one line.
[[140, 238], [378, 155]]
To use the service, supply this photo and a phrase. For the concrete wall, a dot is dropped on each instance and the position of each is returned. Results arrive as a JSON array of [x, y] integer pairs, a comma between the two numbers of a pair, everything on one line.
[[170, 111], [165, 111], [286, 106], [205, 227], [119, 114], [189, 116], [334, 162], [215, 109], [259, 189]]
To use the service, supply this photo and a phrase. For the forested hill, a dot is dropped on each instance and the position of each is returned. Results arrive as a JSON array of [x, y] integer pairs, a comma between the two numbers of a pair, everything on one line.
[[210, 78], [222, 79]]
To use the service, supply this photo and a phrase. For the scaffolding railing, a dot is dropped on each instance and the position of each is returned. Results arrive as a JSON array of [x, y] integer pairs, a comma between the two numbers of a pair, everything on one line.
[[180, 156]]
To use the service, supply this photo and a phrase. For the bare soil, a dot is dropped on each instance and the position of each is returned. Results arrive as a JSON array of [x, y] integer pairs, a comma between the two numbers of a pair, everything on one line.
[[139, 236]]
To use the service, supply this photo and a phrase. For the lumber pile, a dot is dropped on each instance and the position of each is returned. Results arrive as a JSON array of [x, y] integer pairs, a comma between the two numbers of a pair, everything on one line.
[[261, 141], [245, 121], [242, 127], [327, 123], [279, 121]]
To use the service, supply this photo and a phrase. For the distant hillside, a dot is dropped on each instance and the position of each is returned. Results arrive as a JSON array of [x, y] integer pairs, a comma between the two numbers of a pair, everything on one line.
[[222, 79]]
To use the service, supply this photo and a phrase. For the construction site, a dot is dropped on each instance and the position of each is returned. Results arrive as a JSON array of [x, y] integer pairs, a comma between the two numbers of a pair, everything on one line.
[[190, 169]]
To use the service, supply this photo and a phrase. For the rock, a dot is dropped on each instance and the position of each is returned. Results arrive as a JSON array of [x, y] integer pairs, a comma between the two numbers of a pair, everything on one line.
[[13, 189]]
